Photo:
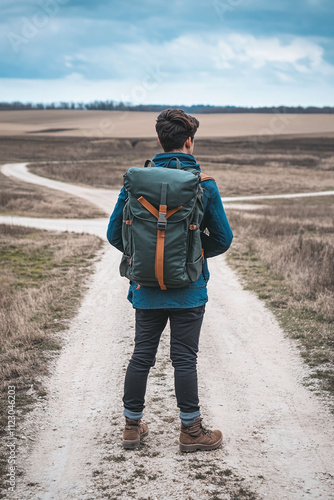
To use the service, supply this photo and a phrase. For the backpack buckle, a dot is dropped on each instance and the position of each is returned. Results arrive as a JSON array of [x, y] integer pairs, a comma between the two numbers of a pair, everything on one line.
[[162, 221]]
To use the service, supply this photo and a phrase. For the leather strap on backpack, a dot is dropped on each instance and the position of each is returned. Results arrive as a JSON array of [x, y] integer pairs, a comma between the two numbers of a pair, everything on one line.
[[205, 177], [162, 215], [159, 258], [150, 208], [161, 234]]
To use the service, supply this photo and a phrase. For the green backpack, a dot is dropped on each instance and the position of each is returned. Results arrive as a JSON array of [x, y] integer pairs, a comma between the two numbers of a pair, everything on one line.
[[161, 226]]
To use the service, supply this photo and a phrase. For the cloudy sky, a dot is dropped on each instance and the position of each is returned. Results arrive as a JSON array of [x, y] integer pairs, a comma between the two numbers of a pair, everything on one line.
[[222, 52]]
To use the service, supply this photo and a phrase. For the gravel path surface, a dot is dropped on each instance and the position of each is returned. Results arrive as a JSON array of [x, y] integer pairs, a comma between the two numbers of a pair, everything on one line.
[[278, 436]]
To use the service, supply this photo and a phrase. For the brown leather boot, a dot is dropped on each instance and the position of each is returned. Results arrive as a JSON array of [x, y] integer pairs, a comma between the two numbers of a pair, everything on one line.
[[133, 432], [194, 437]]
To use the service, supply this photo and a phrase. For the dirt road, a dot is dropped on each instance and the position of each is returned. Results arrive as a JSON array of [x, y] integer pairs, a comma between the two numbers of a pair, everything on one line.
[[278, 436]]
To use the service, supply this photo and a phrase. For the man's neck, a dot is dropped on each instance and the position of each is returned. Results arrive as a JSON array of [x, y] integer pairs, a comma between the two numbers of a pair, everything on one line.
[[183, 151]]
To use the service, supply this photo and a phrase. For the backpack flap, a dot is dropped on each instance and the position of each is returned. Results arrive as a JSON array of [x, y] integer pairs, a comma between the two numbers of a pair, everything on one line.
[[146, 182]]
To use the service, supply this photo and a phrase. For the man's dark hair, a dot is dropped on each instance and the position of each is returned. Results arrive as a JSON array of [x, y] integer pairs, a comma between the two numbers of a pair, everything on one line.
[[174, 127]]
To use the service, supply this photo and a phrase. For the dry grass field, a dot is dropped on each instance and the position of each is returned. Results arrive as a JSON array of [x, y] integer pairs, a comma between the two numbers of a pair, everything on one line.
[[240, 166], [286, 165], [21, 198], [124, 124], [42, 280], [285, 253]]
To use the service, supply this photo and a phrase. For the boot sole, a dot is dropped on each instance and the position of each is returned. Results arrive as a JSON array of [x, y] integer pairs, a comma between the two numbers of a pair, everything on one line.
[[190, 448], [133, 445]]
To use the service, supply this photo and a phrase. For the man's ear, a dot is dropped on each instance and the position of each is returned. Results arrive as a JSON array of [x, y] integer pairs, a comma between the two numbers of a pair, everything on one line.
[[188, 143]]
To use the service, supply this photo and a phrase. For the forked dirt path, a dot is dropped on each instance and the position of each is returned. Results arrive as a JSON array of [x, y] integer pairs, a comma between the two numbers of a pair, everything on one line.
[[104, 200], [278, 436]]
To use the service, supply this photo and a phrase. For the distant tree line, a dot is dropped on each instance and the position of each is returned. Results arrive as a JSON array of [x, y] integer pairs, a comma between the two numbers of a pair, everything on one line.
[[195, 108]]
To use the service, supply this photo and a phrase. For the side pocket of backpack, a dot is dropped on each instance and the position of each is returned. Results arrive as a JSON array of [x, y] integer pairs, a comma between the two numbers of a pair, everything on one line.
[[125, 265], [194, 254], [194, 269], [194, 258]]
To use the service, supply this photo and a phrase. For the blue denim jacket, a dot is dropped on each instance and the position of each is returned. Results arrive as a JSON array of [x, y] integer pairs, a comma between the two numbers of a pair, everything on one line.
[[215, 241]]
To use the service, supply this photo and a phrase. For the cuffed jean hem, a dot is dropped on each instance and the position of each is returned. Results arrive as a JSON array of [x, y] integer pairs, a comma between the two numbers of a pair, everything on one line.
[[133, 415], [189, 418]]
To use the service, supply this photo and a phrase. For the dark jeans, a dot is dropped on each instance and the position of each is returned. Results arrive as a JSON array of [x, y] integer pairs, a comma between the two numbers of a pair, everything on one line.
[[185, 326]]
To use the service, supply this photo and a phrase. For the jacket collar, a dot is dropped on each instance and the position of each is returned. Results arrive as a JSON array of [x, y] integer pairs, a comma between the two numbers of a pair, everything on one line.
[[187, 161]]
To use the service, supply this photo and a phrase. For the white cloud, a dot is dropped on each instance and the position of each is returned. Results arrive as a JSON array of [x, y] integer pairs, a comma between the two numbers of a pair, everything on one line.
[[217, 69], [257, 52], [208, 52]]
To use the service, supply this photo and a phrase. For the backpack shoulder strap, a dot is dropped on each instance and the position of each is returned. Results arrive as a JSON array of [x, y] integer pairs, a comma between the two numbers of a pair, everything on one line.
[[205, 177]]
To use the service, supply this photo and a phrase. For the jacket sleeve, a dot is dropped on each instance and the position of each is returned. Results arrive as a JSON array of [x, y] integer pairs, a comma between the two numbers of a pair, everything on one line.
[[114, 231], [218, 235]]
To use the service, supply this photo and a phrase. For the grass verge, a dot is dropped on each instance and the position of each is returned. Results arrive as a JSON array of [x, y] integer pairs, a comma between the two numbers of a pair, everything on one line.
[[24, 199], [42, 280], [285, 253]]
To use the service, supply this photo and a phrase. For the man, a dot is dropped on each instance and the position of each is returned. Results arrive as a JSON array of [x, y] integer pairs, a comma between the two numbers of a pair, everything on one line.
[[184, 307]]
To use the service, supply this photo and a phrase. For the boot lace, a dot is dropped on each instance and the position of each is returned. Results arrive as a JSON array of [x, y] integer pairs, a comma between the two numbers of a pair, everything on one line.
[[205, 431]]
